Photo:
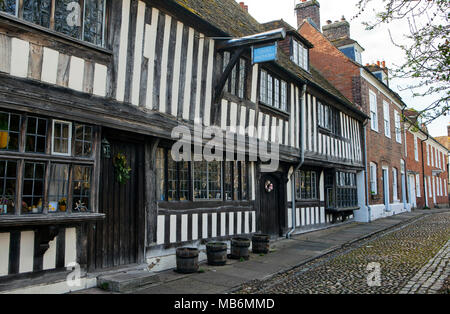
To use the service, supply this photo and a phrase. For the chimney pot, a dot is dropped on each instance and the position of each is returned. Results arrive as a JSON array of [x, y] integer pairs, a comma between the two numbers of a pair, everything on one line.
[[242, 4], [343, 18], [383, 64], [378, 63], [329, 22]]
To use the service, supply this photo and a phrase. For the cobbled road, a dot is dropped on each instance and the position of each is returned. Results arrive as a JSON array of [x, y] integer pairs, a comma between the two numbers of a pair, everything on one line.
[[403, 254]]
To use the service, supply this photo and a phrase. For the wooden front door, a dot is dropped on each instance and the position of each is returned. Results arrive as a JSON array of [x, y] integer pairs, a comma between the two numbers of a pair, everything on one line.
[[270, 206], [119, 238]]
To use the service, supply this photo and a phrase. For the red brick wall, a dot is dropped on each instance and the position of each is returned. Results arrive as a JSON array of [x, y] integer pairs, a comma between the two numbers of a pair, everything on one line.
[[345, 76], [332, 63], [416, 166], [440, 200]]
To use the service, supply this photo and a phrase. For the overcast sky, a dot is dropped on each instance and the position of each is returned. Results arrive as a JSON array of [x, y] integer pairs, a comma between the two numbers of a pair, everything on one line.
[[377, 43]]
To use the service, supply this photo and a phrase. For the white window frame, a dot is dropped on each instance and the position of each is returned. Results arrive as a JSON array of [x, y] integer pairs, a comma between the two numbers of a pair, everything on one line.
[[430, 189], [373, 178], [387, 119], [398, 129], [428, 154], [394, 184], [445, 187], [418, 194], [416, 149], [373, 111], [69, 139]]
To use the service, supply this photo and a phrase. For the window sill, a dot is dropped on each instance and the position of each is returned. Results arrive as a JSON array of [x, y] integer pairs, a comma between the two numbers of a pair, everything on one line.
[[274, 110], [50, 219], [17, 26]]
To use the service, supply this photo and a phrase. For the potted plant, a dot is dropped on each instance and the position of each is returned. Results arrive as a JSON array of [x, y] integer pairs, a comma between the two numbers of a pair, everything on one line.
[[62, 204], [4, 134]]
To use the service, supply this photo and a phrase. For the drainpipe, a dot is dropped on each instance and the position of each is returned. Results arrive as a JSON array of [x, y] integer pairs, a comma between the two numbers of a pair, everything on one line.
[[302, 160], [425, 192], [369, 209]]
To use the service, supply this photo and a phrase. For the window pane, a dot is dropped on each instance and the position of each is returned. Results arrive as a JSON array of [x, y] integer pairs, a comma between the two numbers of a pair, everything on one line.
[[9, 131], [172, 179], [8, 6], [68, 17], [160, 174], [8, 171], [36, 135], [37, 11], [93, 21], [215, 180], [236, 192], [61, 137], [244, 176], [242, 78], [83, 140], [184, 180], [81, 188], [33, 191], [200, 180], [228, 178], [58, 187]]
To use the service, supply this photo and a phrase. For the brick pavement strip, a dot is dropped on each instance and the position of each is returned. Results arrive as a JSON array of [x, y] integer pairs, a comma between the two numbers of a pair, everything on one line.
[[431, 277], [412, 259]]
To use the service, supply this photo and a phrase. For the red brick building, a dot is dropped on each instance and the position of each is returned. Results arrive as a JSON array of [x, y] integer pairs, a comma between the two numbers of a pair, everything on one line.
[[339, 59]]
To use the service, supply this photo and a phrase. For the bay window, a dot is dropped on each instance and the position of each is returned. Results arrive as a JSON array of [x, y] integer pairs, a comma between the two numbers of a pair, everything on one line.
[[346, 191], [80, 19], [200, 180], [300, 55], [41, 173]]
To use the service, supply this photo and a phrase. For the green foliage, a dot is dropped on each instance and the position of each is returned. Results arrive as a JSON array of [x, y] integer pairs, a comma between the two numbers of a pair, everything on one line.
[[426, 48], [121, 167]]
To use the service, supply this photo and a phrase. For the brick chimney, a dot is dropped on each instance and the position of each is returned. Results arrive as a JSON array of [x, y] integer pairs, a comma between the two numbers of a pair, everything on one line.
[[243, 6], [309, 10], [337, 30]]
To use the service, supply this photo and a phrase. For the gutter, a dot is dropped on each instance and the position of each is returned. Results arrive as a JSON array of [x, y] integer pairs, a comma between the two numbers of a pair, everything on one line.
[[302, 160], [425, 192]]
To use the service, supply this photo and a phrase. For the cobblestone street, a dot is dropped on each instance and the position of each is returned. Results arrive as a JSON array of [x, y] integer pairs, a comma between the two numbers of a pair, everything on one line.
[[413, 258]]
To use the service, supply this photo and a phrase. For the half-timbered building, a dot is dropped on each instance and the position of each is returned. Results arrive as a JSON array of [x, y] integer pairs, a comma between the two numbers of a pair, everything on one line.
[[90, 93]]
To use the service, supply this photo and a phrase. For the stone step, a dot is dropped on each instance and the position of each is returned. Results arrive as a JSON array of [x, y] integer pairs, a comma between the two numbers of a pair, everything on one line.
[[127, 281]]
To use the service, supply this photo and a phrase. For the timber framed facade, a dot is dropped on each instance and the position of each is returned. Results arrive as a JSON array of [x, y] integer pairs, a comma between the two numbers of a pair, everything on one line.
[[77, 103]]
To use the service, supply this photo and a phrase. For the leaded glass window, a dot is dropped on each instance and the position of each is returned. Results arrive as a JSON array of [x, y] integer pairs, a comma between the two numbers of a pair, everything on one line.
[[33, 187], [62, 137], [8, 6], [9, 131], [81, 188], [58, 187], [83, 140], [8, 171], [37, 11], [36, 135]]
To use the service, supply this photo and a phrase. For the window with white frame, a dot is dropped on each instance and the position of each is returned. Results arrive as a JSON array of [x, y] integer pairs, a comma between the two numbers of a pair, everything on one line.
[[80, 19], [62, 138], [440, 186], [445, 187], [300, 55], [387, 119], [398, 130], [417, 185], [432, 156], [416, 149], [430, 191], [373, 111], [428, 154], [373, 178], [394, 184]]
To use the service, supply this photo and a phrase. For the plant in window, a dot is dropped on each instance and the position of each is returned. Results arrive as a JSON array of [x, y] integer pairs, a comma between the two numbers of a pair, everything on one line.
[[62, 203], [122, 169], [4, 135]]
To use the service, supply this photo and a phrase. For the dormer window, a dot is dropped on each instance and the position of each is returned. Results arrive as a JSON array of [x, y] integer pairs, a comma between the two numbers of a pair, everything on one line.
[[300, 55]]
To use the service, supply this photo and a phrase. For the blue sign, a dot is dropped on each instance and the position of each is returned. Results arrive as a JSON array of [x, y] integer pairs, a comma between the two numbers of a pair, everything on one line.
[[264, 53]]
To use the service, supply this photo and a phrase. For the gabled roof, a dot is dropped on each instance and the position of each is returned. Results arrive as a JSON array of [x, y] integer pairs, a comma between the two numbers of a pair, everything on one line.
[[289, 30], [230, 18]]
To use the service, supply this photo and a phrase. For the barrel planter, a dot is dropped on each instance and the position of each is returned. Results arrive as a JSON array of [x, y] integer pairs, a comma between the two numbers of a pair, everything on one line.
[[216, 253], [239, 248], [187, 260], [260, 243]]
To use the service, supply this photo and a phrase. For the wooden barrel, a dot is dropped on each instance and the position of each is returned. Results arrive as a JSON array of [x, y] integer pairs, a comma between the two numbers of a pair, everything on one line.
[[216, 253], [260, 243], [187, 260], [239, 248]]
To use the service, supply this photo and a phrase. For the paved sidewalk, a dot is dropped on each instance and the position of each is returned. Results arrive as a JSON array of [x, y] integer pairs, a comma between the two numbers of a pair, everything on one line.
[[285, 255]]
